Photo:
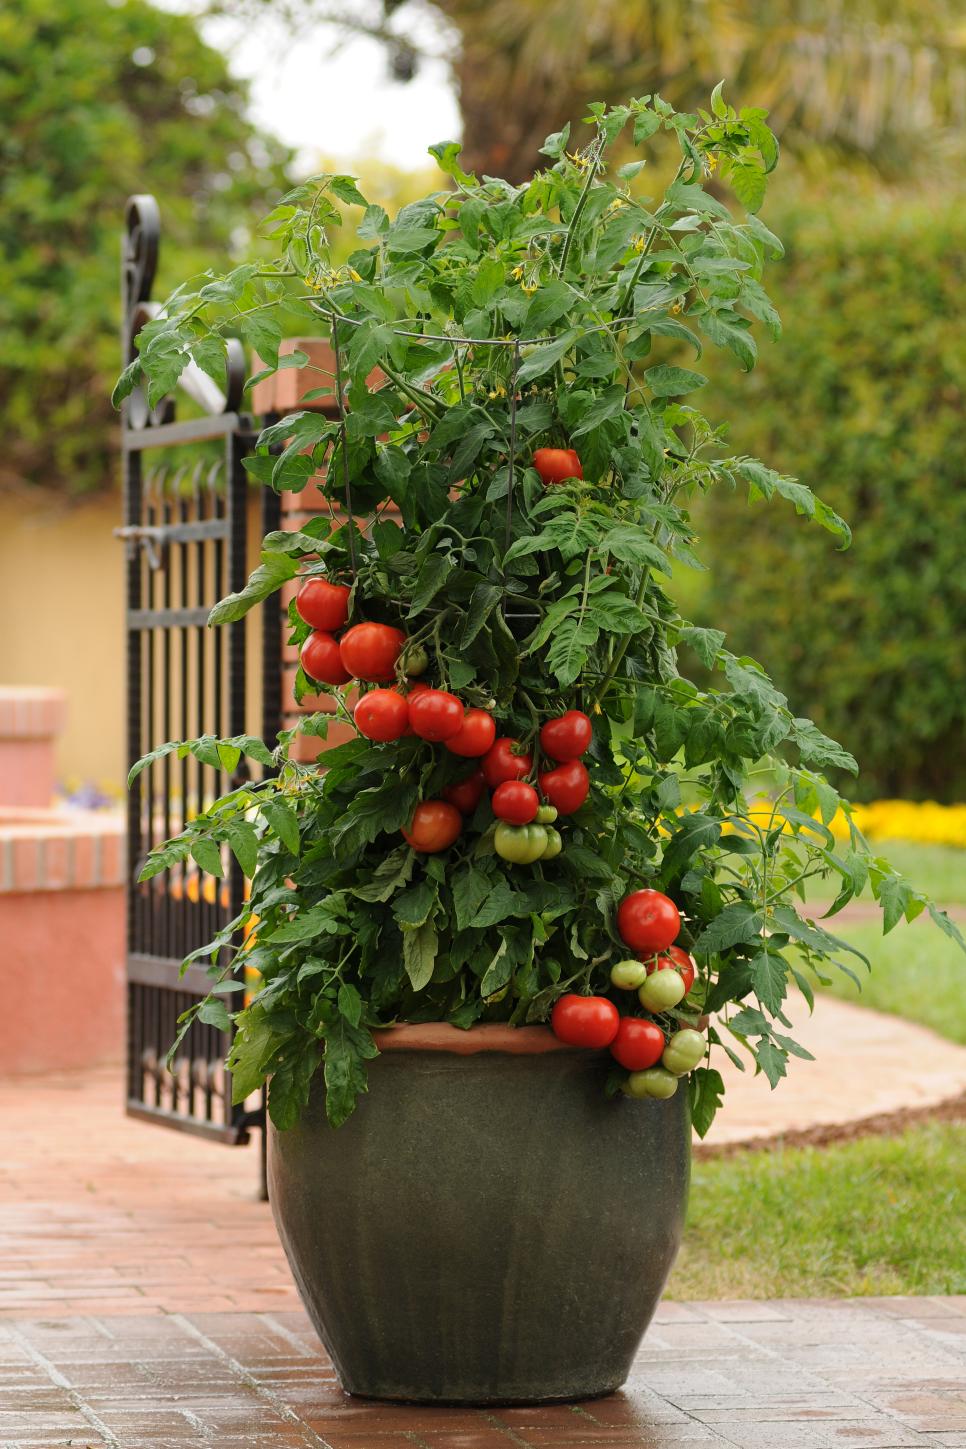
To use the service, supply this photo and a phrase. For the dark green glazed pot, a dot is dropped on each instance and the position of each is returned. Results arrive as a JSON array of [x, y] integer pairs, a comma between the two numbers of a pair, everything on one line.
[[487, 1227]]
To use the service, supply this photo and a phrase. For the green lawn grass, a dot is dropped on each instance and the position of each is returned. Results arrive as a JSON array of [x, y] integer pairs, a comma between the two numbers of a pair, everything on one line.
[[917, 973], [939, 870], [877, 1216]]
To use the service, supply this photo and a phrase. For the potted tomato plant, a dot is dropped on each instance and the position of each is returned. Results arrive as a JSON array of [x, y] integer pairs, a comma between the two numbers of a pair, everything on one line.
[[503, 930]]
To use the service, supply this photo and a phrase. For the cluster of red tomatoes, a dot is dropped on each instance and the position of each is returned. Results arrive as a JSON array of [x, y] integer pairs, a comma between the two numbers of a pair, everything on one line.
[[662, 974], [371, 652], [367, 651], [524, 830]]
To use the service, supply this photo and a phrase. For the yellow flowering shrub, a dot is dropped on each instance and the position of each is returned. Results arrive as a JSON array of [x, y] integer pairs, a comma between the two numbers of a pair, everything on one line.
[[925, 822]]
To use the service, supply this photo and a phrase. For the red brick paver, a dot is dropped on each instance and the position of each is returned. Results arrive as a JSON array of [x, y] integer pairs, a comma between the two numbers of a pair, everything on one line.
[[889, 1373], [100, 1213]]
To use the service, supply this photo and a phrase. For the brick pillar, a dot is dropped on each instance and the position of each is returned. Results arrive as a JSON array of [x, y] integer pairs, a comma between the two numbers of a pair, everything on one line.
[[280, 394], [31, 718]]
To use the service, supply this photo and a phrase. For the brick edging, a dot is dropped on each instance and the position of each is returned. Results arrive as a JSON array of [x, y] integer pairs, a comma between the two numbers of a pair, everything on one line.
[[60, 853]]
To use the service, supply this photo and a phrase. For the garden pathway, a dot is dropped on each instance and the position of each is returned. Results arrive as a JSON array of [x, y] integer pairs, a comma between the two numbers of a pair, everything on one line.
[[867, 1065]]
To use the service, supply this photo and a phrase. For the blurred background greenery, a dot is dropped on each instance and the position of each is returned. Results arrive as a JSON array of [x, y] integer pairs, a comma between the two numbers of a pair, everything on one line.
[[862, 397]]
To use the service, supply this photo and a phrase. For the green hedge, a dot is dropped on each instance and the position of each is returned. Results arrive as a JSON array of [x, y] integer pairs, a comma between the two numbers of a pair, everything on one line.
[[863, 400], [100, 100]]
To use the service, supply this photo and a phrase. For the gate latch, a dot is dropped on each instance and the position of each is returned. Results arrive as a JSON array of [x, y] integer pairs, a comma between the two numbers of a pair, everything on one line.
[[149, 539]]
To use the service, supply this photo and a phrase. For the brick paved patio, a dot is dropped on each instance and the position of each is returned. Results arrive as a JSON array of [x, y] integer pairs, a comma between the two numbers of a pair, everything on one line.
[[888, 1373], [145, 1300]]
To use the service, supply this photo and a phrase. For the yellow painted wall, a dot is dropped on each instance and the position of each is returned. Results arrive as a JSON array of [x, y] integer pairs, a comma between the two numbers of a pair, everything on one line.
[[61, 607]]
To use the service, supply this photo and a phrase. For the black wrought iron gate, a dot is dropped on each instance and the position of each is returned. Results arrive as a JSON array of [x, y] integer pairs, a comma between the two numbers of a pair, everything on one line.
[[185, 532]]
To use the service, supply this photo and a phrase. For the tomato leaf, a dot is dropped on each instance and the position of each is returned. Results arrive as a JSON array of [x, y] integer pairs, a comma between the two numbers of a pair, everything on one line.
[[347, 1049], [420, 944], [706, 1092]]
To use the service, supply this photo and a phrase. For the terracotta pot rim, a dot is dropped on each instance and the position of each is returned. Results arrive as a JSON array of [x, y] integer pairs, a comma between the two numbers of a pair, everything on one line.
[[442, 1036]]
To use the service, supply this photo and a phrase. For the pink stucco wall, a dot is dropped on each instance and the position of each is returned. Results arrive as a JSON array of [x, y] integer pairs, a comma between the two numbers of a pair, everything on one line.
[[61, 904]]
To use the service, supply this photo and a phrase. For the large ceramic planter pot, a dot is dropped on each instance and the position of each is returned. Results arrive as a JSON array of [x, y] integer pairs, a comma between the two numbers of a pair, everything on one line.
[[487, 1227]]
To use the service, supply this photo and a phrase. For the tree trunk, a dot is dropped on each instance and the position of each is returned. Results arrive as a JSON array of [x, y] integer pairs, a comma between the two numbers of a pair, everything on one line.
[[504, 126]]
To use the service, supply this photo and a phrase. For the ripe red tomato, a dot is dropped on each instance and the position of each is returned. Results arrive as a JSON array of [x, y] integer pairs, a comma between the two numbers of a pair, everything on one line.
[[382, 714], [567, 737], [516, 802], [435, 714], [638, 1044], [556, 465], [648, 921], [475, 735], [566, 787], [678, 960], [585, 1021], [323, 605], [466, 794], [434, 826], [321, 658], [369, 651], [500, 763]]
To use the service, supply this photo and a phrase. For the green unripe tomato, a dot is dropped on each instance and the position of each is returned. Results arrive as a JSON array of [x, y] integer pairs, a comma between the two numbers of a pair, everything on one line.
[[521, 844], [655, 1082], [628, 975], [662, 990], [554, 842], [546, 815], [683, 1052], [415, 661]]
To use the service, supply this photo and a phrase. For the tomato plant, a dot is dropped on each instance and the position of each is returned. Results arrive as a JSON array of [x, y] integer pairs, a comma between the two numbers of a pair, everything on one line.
[[514, 419], [567, 737], [369, 651], [323, 605], [467, 793], [475, 735], [585, 1021], [522, 844], [434, 826], [435, 714], [638, 1043], [683, 1052], [502, 762], [648, 920], [566, 787], [321, 658], [382, 714], [557, 465], [516, 802], [677, 959]]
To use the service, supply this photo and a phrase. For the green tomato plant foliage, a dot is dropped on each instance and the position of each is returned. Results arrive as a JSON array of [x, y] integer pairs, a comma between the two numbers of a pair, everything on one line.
[[481, 323]]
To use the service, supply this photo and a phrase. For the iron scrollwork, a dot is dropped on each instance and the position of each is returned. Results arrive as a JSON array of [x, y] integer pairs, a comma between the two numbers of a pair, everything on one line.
[[140, 248]]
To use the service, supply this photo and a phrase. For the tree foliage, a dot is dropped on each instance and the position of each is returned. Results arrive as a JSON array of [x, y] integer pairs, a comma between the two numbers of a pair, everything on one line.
[[868, 78], [99, 101], [478, 324], [866, 395]]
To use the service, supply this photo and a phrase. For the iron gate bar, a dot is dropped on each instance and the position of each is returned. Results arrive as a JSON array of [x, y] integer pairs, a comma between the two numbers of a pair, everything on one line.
[[151, 970], [195, 430], [185, 535], [168, 618]]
